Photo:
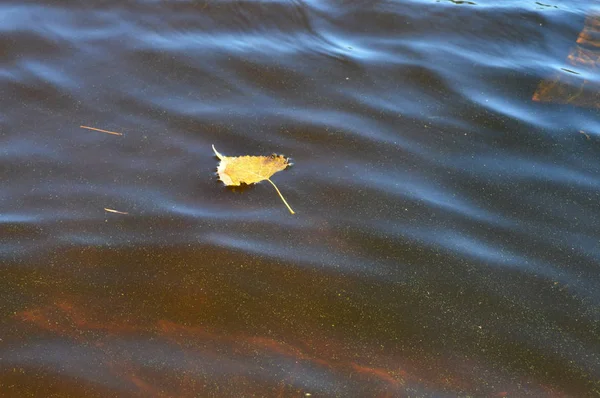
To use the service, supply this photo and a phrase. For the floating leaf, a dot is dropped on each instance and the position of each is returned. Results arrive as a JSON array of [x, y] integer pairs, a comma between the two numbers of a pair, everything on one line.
[[237, 170]]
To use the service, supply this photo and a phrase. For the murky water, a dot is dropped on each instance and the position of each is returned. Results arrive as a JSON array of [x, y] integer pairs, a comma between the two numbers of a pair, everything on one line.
[[446, 185]]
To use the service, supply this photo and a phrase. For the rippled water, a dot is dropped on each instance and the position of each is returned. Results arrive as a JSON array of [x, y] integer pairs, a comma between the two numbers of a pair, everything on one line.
[[446, 241]]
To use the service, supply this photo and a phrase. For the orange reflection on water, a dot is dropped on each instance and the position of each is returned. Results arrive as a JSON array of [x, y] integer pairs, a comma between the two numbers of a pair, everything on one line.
[[65, 319], [569, 87], [199, 344], [163, 358]]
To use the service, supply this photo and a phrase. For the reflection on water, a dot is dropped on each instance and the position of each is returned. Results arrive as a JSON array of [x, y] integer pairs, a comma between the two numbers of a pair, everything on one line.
[[446, 236], [582, 89]]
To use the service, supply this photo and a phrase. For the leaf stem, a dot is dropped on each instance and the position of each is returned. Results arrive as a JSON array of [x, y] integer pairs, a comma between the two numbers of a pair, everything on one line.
[[217, 153], [281, 196]]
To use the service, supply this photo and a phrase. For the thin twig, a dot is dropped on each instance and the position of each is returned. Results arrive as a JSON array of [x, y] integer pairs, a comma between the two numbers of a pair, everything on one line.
[[102, 131], [115, 211]]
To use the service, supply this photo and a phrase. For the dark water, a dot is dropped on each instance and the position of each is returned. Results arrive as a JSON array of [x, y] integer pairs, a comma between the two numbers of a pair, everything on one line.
[[446, 184]]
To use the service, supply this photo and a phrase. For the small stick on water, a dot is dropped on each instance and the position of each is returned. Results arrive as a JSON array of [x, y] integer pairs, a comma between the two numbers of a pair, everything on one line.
[[100, 130], [281, 196], [115, 211]]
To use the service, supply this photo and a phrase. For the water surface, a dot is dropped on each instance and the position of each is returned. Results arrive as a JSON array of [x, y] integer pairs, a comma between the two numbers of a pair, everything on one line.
[[446, 241]]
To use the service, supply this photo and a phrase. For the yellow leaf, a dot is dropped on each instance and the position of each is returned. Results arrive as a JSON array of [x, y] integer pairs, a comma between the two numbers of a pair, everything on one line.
[[237, 170]]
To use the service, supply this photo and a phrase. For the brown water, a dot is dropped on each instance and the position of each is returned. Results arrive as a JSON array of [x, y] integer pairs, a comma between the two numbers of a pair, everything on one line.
[[446, 241]]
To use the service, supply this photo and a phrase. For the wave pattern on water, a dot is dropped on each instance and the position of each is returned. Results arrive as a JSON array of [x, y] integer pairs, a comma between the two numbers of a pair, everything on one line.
[[446, 185]]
